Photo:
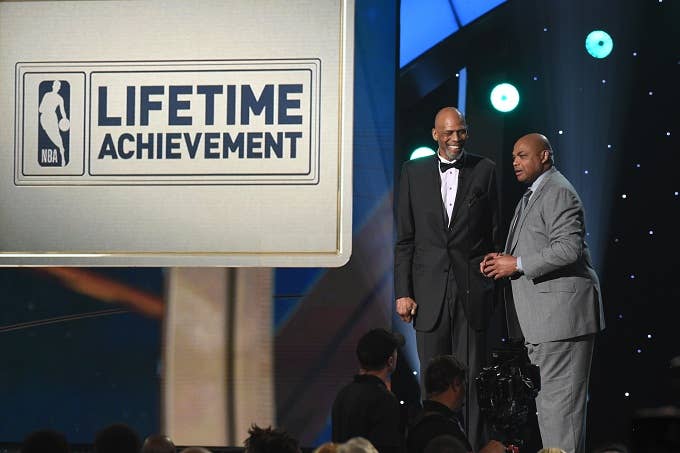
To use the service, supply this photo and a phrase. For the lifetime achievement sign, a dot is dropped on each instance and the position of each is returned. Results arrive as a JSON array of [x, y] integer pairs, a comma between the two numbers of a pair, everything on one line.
[[176, 134]]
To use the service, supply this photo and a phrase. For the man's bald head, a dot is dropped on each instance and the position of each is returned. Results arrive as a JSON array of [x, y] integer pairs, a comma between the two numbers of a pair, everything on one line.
[[446, 112], [531, 156], [158, 443], [536, 141], [450, 133]]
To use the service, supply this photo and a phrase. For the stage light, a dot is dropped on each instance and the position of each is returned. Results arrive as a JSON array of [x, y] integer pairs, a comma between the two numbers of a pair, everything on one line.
[[504, 97], [421, 152], [599, 44]]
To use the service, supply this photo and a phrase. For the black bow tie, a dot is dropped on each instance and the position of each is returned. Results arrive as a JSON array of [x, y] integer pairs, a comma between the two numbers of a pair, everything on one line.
[[443, 166]]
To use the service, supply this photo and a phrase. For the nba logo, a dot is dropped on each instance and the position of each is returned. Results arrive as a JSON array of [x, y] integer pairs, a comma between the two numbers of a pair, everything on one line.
[[54, 111]]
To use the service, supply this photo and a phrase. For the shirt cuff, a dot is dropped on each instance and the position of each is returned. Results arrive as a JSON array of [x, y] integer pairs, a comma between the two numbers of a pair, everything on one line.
[[519, 264]]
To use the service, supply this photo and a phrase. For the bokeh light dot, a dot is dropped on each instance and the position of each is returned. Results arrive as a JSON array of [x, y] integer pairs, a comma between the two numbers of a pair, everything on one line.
[[599, 44], [504, 97], [423, 151]]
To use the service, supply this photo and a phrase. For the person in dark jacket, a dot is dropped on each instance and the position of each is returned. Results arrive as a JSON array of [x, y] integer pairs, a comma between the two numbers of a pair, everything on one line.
[[366, 407], [445, 387]]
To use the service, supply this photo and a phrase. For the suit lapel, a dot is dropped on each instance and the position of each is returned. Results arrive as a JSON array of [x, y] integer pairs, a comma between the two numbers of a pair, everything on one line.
[[434, 182], [532, 201], [510, 247]]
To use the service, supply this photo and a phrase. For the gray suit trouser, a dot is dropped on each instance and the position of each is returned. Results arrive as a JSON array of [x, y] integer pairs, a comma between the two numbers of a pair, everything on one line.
[[561, 403]]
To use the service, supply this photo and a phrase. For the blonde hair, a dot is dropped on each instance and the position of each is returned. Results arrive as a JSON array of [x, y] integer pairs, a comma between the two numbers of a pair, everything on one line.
[[357, 445], [551, 450]]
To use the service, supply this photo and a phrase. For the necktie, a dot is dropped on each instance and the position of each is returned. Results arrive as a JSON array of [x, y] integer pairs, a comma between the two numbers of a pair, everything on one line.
[[522, 205], [444, 166]]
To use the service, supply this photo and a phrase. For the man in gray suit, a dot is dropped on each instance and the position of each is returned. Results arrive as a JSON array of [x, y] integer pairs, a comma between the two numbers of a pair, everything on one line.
[[555, 291]]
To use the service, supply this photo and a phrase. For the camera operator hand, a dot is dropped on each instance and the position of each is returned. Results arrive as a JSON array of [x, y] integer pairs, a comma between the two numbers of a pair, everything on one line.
[[493, 447]]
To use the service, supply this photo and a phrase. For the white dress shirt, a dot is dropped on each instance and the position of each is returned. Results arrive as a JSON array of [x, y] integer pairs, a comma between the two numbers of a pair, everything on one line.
[[449, 187]]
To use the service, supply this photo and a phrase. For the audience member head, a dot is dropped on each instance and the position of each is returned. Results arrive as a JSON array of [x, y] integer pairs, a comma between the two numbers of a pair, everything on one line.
[[269, 440], [377, 350], [445, 443], [611, 447], [328, 447], [195, 450], [551, 450], [356, 445], [45, 440], [158, 443], [117, 438], [445, 381]]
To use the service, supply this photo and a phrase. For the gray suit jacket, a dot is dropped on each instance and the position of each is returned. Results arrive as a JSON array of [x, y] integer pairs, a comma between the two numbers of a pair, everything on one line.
[[558, 295]]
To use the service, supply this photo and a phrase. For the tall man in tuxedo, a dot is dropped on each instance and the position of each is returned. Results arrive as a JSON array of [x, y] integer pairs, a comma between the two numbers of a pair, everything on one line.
[[447, 220], [555, 290]]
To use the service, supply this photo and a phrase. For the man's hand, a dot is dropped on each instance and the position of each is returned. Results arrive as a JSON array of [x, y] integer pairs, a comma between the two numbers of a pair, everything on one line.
[[499, 266], [406, 308], [487, 260], [493, 447]]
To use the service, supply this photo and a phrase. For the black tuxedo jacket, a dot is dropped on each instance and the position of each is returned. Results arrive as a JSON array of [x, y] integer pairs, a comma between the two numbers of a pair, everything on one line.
[[427, 248]]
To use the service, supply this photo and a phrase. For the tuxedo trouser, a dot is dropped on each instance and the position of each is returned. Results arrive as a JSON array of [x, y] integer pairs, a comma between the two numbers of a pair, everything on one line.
[[452, 334], [561, 402]]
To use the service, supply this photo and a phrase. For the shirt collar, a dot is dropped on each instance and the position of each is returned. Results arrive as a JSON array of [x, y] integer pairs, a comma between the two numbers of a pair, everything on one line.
[[538, 180], [435, 406], [359, 378]]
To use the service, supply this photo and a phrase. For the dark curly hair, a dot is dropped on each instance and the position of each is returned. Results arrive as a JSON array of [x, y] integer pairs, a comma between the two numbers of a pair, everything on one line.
[[270, 440]]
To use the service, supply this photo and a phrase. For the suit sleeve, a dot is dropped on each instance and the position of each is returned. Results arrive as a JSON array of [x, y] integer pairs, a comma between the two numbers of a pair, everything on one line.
[[562, 214], [404, 248], [496, 237]]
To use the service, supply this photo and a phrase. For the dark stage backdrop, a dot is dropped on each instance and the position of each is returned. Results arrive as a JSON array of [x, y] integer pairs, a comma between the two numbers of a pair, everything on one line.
[[613, 123], [73, 362]]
